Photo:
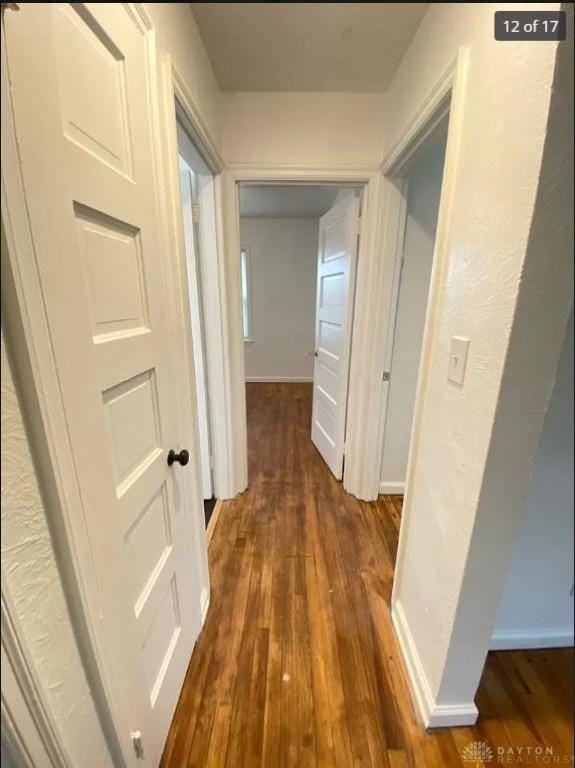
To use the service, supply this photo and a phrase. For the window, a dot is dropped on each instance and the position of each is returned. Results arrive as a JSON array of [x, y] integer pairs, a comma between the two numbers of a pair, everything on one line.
[[246, 294]]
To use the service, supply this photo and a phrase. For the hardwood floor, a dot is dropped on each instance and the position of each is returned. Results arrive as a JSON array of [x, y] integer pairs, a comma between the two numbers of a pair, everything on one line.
[[298, 664]]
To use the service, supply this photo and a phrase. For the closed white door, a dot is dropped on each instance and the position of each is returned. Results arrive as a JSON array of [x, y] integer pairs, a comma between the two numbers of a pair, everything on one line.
[[82, 108], [337, 255], [195, 294]]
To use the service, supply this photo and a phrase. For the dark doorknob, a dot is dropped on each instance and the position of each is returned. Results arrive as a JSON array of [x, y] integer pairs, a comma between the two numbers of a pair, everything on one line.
[[182, 457]]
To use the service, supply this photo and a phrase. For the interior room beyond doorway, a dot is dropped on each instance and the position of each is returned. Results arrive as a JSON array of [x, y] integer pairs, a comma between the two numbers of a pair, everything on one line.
[[298, 253]]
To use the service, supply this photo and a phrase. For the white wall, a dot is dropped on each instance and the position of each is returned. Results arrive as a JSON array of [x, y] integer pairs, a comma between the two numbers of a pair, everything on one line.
[[537, 605], [283, 254], [339, 129], [475, 444], [421, 223], [31, 576]]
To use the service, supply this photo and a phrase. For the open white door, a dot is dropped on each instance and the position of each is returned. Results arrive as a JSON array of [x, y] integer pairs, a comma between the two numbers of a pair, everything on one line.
[[196, 303], [337, 255], [82, 109]]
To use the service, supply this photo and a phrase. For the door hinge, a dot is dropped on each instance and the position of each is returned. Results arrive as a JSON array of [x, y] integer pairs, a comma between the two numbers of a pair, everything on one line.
[[195, 212], [385, 376], [359, 221], [138, 744]]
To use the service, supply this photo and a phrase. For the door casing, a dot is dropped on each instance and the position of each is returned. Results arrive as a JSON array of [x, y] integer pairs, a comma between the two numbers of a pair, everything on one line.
[[174, 92], [369, 181], [195, 282], [444, 102]]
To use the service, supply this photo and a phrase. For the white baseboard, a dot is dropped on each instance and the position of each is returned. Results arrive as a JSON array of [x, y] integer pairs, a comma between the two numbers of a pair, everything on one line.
[[432, 714], [525, 639], [204, 604], [392, 489], [273, 379], [453, 715]]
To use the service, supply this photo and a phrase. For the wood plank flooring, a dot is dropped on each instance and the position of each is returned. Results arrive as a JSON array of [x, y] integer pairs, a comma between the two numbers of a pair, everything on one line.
[[298, 664]]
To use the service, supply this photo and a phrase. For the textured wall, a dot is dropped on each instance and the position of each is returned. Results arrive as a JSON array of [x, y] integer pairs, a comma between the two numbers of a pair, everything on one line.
[[474, 445], [30, 572], [5, 759], [537, 604]]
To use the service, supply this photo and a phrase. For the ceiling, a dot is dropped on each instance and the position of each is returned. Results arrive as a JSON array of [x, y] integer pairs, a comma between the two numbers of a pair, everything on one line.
[[289, 202], [353, 47]]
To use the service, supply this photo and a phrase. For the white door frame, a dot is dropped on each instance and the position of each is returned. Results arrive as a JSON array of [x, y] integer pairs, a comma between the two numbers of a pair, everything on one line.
[[369, 180], [444, 101], [396, 167], [188, 182], [215, 306]]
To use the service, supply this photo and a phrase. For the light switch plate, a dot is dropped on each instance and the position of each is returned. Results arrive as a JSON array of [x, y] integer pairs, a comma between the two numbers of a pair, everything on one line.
[[458, 359]]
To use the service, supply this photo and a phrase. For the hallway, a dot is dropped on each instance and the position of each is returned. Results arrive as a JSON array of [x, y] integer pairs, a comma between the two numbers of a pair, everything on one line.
[[298, 664]]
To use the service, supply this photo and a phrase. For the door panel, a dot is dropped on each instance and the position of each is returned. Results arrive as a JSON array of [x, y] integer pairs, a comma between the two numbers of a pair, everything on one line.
[[92, 81], [334, 316], [80, 90]]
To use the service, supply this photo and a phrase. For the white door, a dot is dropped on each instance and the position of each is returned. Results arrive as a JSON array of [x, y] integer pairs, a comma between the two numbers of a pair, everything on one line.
[[337, 255], [195, 293], [82, 109]]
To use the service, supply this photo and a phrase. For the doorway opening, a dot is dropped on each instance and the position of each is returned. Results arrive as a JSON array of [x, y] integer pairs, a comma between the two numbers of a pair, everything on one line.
[[298, 259], [196, 198], [418, 190], [422, 192]]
